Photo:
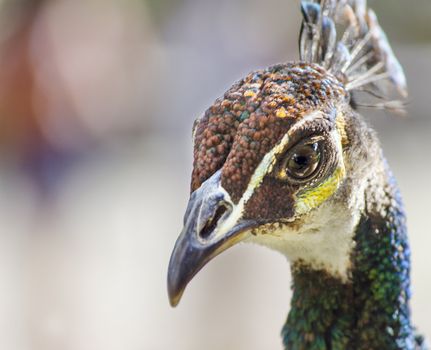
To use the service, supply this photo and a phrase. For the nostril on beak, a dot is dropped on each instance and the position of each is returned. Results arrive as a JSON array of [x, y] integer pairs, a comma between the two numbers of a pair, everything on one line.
[[212, 222]]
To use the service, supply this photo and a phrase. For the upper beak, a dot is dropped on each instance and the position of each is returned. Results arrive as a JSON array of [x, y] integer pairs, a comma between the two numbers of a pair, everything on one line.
[[211, 225]]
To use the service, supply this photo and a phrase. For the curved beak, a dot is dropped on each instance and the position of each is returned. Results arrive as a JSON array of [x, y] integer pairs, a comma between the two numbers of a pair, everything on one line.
[[211, 225]]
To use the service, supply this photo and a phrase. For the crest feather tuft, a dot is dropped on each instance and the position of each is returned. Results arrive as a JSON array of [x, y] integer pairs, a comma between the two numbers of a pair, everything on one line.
[[344, 37]]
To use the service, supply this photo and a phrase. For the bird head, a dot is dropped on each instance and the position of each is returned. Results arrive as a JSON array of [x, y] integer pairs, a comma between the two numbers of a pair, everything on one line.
[[272, 163]]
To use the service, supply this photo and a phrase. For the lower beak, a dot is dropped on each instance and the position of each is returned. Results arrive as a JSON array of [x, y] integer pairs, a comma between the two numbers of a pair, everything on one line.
[[210, 227]]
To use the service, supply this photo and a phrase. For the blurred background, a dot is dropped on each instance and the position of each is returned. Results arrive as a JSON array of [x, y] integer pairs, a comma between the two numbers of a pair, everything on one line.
[[97, 100]]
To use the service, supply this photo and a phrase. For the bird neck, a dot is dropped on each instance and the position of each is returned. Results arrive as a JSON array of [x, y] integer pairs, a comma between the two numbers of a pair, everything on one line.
[[370, 310]]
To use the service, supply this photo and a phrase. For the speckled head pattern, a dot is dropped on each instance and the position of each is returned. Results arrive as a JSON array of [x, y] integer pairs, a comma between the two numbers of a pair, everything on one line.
[[250, 119]]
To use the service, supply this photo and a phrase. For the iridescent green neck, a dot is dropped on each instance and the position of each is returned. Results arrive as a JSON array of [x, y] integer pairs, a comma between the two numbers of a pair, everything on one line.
[[371, 311]]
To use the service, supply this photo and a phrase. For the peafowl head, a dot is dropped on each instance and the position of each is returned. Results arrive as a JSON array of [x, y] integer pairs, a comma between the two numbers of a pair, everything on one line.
[[283, 159]]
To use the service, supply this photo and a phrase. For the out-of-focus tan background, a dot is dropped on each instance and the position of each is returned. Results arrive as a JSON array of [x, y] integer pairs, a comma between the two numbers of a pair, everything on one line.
[[97, 99]]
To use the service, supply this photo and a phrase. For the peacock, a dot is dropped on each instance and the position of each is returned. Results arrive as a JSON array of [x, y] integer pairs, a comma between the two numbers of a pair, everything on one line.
[[283, 159]]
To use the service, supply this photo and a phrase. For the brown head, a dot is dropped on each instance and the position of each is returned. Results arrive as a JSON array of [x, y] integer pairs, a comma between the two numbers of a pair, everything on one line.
[[276, 157]]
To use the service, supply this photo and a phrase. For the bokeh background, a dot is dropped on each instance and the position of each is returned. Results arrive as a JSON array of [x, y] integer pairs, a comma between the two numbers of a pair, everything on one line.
[[97, 99]]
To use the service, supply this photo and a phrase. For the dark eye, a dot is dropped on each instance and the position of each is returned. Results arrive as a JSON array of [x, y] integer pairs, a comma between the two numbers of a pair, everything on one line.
[[303, 161]]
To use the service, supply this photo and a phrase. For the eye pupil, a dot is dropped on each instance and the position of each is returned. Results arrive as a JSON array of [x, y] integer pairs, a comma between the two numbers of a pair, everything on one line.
[[301, 161], [304, 160]]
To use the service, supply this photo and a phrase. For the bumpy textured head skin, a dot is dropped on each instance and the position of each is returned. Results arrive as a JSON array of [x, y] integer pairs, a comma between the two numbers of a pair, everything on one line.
[[254, 114], [251, 119], [284, 160]]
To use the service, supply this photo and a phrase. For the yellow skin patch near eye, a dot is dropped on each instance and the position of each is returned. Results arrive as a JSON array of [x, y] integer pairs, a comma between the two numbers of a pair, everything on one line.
[[341, 127], [317, 195]]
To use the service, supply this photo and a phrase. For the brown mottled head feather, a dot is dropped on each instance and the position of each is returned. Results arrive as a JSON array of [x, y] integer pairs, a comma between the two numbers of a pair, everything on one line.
[[251, 118]]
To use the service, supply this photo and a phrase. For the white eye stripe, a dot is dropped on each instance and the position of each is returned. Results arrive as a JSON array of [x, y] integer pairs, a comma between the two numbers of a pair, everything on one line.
[[265, 166], [268, 161]]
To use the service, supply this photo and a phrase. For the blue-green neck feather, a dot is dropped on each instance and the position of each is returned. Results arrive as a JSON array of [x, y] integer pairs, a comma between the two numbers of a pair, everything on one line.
[[372, 310]]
